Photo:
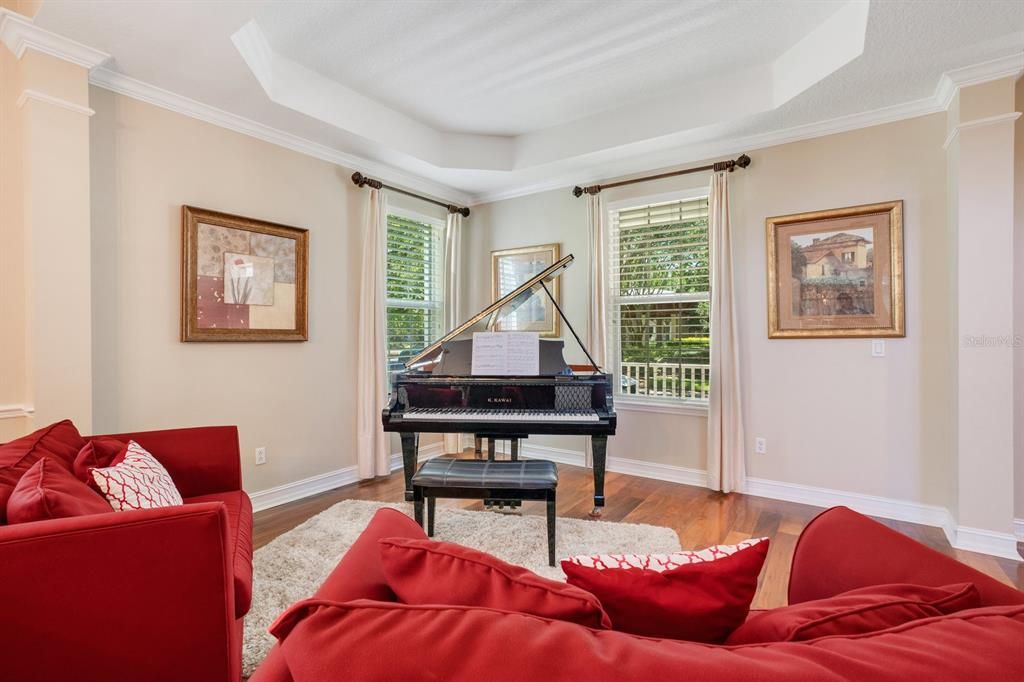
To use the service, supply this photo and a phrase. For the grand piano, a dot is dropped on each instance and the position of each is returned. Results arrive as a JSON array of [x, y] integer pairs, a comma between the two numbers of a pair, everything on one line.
[[438, 393]]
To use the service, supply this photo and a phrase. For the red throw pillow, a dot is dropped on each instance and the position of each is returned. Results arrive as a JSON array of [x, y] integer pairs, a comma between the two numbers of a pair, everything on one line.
[[60, 441], [49, 491], [136, 481], [867, 609], [429, 572], [700, 602], [97, 453]]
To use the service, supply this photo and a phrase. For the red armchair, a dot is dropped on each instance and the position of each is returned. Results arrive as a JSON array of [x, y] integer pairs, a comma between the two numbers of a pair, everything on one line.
[[155, 594], [354, 629]]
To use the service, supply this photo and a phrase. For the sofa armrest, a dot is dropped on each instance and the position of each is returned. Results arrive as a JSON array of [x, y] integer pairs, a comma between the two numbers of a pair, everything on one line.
[[201, 460], [841, 550], [142, 595]]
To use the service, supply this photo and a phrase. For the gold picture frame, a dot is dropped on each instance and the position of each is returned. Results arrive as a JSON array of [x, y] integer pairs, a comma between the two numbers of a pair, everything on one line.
[[845, 273], [242, 279], [512, 267]]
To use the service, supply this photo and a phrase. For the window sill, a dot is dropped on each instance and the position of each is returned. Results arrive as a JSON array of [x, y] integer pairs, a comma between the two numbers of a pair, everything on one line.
[[692, 409]]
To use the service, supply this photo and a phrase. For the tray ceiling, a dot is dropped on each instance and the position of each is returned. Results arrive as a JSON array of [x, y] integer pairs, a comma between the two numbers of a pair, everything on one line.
[[493, 98]]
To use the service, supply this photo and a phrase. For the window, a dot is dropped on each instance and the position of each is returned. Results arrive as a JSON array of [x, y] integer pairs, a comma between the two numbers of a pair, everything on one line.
[[414, 300], [660, 300]]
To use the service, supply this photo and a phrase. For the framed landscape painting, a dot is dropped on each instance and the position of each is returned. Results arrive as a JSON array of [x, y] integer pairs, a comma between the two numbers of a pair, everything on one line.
[[836, 273], [241, 279], [512, 267]]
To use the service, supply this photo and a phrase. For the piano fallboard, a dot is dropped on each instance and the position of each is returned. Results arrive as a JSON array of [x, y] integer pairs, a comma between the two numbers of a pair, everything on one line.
[[563, 404]]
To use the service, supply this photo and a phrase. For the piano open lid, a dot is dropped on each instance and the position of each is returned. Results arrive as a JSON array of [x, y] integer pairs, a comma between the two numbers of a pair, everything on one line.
[[536, 285]]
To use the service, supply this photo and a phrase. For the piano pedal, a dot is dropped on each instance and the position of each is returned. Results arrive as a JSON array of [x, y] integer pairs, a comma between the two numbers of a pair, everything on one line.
[[504, 506]]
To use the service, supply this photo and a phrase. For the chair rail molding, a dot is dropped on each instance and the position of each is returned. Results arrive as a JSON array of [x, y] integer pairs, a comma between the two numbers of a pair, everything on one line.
[[16, 411]]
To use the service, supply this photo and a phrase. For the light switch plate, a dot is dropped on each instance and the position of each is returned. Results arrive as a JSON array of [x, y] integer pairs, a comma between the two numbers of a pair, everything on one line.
[[878, 348]]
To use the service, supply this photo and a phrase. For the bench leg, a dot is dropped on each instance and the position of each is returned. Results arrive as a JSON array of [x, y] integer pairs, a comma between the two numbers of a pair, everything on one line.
[[417, 505], [431, 504], [551, 528]]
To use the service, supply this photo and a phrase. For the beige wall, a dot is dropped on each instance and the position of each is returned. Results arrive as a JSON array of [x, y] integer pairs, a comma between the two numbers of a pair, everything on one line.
[[12, 254], [296, 399], [1018, 294], [880, 426], [44, 240], [984, 169]]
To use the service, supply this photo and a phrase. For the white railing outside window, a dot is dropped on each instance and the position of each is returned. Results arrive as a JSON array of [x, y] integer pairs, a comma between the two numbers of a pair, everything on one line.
[[415, 313], [659, 299]]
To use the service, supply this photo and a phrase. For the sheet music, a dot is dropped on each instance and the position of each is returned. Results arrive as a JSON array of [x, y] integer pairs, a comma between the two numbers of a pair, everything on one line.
[[506, 354]]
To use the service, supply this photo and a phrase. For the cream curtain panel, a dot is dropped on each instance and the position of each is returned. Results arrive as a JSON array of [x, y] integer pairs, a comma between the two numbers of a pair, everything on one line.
[[597, 342], [372, 444], [452, 304], [726, 465], [596, 322]]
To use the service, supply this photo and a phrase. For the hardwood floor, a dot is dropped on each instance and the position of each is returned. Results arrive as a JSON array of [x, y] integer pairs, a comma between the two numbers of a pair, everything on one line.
[[700, 516]]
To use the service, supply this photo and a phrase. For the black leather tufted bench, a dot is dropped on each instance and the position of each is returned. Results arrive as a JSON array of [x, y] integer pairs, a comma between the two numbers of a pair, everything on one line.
[[534, 479]]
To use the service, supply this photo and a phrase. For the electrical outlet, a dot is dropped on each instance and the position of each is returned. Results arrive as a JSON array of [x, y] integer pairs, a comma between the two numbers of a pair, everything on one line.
[[261, 456], [761, 446], [878, 348]]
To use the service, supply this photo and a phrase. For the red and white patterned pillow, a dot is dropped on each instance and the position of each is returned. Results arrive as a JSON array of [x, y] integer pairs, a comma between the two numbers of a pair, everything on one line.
[[138, 481], [662, 562]]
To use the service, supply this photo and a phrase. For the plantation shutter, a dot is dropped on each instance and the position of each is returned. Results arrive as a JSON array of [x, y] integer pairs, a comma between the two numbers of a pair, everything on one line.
[[414, 299], [659, 299]]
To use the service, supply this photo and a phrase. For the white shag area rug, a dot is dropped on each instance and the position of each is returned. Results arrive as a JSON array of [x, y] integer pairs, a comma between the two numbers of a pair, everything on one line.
[[293, 565]]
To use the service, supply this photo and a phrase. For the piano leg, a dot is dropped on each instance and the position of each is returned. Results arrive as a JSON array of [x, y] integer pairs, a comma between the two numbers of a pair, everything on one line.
[[515, 449], [477, 447], [598, 447], [410, 446]]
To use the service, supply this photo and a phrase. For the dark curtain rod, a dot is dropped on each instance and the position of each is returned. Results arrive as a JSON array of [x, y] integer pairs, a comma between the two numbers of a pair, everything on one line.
[[717, 166], [361, 180]]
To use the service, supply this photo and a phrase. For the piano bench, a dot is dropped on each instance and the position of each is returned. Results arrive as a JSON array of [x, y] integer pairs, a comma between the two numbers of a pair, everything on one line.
[[447, 477]]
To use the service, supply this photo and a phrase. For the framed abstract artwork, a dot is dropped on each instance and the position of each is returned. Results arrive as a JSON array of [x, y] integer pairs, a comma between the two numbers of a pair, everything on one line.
[[836, 273], [512, 267], [241, 279]]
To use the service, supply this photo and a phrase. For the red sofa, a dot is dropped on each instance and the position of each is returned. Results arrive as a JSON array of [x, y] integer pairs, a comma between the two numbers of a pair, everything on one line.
[[354, 628], [155, 595]]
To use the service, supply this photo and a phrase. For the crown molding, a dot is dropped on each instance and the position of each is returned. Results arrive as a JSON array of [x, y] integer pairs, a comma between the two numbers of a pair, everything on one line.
[[690, 153], [37, 96], [949, 84], [951, 81], [136, 89], [19, 33]]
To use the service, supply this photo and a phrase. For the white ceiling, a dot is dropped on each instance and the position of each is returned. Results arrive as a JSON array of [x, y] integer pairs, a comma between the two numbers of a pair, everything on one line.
[[505, 68], [494, 98]]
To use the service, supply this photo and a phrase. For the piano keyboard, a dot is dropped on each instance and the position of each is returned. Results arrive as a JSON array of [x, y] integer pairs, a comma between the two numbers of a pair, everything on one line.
[[518, 416]]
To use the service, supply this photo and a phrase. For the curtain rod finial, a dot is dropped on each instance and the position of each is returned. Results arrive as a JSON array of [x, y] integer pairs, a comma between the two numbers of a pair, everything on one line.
[[358, 179], [463, 211], [577, 191], [743, 161]]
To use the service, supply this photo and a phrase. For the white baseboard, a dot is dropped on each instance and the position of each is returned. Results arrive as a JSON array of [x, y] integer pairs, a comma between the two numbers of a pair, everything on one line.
[[621, 465], [561, 455], [961, 537], [321, 483], [987, 542], [289, 492], [662, 472], [428, 452], [872, 505]]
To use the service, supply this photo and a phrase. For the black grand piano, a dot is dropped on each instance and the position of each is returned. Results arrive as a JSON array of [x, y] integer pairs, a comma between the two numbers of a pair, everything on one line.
[[437, 392]]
